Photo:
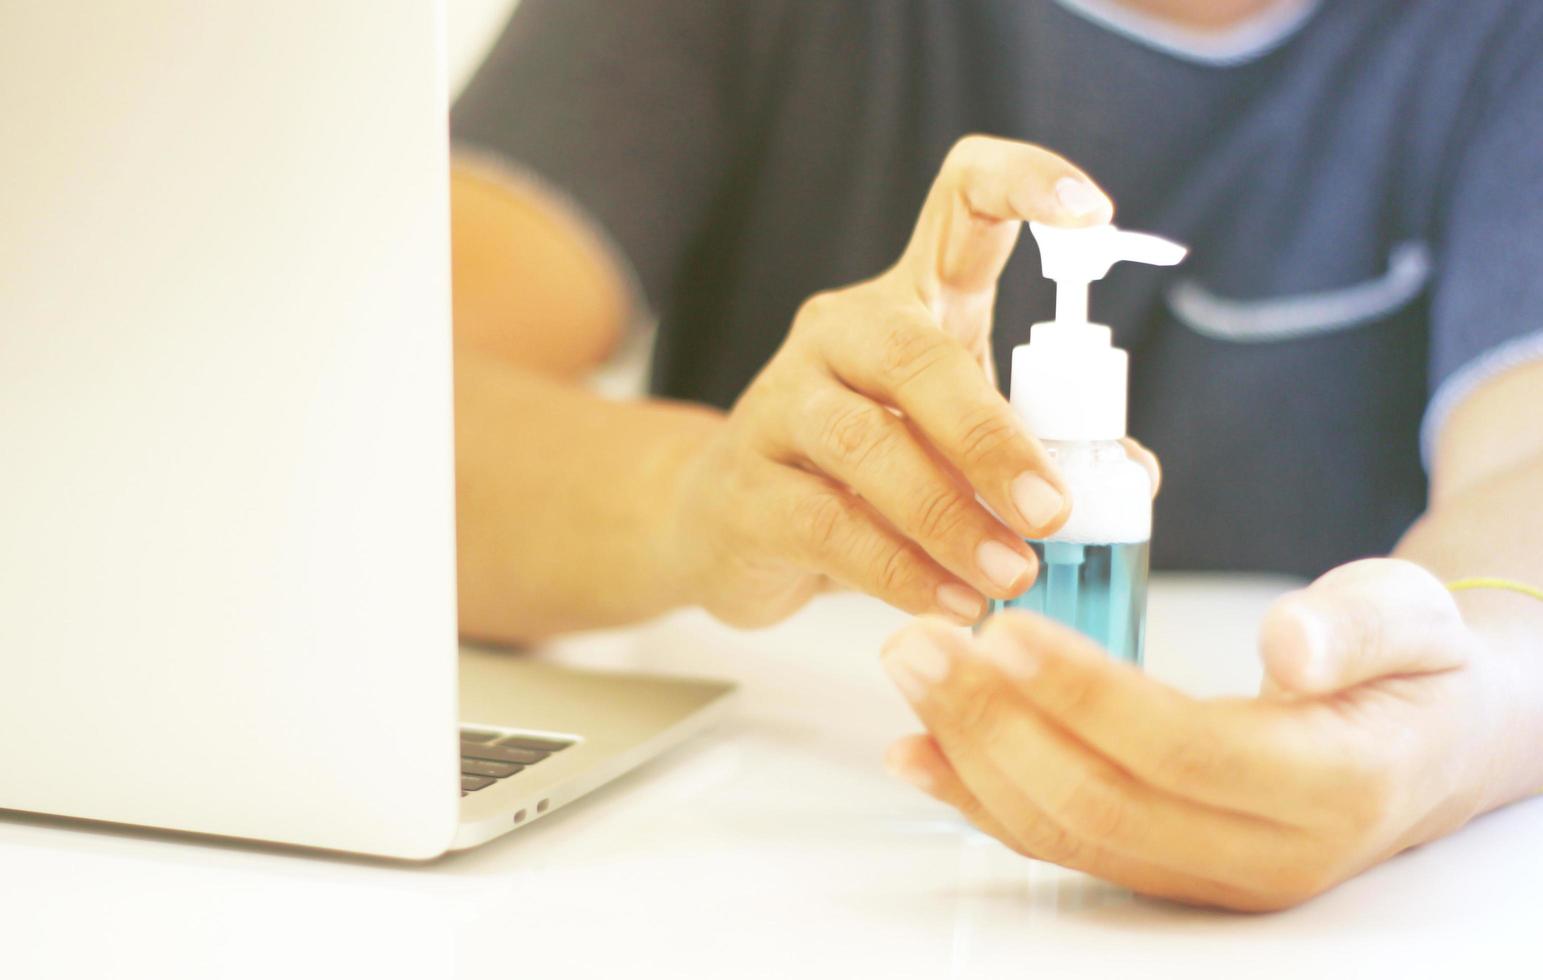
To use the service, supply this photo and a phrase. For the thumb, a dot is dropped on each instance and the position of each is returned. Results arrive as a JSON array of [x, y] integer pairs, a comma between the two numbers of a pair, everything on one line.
[[1364, 620]]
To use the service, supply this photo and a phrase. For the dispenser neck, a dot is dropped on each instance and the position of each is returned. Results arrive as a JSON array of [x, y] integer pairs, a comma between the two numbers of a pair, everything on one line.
[[1071, 302]]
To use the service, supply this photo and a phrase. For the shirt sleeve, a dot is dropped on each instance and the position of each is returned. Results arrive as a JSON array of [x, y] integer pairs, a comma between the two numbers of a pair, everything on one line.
[[1487, 300], [619, 106]]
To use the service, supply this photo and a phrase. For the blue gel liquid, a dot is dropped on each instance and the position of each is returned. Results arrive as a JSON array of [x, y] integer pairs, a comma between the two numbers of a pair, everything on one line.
[[1098, 589]]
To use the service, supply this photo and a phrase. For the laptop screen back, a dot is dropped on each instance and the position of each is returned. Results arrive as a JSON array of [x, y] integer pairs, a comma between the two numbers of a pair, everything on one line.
[[227, 598]]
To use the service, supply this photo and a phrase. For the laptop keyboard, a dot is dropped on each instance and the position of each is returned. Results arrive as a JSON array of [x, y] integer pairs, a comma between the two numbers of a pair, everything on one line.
[[487, 757]]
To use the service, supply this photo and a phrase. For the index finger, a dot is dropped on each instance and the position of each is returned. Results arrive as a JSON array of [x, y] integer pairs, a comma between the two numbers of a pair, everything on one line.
[[986, 188], [905, 361]]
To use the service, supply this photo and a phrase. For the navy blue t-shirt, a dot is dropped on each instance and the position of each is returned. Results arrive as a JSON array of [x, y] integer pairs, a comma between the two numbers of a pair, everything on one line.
[[1363, 195]]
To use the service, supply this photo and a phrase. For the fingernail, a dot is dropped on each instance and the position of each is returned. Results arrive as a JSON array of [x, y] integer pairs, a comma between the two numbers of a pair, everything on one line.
[[915, 663], [1001, 564], [1079, 197], [1038, 501], [1009, 653], [962, 602]]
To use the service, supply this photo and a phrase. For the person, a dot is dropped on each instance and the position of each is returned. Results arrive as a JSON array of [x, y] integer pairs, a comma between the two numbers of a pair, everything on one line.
[[1350, 365]]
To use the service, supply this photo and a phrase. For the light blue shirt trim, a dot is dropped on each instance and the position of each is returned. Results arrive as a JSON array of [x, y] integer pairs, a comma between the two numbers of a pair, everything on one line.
[[1468, 379], [1246, 42]]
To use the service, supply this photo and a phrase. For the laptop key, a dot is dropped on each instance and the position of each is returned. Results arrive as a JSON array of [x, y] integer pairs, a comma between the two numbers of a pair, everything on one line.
[[470, 784], [534, 743], [498, 770], [467, 735], [500, 753]]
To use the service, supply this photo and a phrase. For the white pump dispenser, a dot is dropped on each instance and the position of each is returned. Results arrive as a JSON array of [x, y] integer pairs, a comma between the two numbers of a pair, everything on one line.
[[1069, 380], [1069, 387]]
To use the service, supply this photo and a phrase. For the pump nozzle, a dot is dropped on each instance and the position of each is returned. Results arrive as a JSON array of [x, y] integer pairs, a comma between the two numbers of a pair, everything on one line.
[[1075, 257], [1069, 380]]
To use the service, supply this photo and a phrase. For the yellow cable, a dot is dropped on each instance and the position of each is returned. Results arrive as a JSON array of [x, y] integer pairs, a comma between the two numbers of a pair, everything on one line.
[[1503, 584]]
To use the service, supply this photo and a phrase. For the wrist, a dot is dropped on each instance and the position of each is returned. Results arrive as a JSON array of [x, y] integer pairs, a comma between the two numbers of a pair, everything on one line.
[[1509, 670], [671, 521]]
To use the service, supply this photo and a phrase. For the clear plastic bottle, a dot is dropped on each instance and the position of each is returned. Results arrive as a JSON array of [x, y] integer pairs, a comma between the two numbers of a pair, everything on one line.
[[1069, 387], [1093, 572]]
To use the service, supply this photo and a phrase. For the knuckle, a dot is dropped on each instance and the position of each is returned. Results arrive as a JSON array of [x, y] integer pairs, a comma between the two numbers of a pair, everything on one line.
[[812, 322], [965, 151], [898, 572], [940, 514], [852, 434], [986, 435], [906, 353], [818, 518], [816, 308]]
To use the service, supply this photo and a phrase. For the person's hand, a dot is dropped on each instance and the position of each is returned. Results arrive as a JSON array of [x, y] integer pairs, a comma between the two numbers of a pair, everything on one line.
[[858, 454], [1373, 735]]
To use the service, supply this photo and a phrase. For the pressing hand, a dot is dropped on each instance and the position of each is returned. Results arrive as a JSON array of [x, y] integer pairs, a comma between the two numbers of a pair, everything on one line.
[[874, 450]]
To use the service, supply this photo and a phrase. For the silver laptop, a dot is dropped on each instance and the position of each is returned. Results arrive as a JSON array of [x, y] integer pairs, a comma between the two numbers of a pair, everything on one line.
[[227, 592]]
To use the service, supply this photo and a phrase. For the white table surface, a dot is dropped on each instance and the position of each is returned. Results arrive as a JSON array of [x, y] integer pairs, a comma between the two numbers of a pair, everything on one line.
[[775, 846]]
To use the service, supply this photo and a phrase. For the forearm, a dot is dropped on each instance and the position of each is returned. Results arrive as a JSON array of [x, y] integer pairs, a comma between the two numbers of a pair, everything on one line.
[[532, 285], [1495, 529], [563, 502]]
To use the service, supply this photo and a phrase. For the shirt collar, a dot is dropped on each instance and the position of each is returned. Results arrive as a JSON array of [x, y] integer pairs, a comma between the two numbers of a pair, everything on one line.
[[1248, 41]]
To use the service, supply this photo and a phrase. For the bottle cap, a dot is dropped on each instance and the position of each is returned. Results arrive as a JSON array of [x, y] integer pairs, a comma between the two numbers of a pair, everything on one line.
[[1069, 380]]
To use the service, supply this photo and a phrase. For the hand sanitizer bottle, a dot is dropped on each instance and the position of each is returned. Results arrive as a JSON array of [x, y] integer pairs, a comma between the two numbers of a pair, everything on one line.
[[1069, 387]]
